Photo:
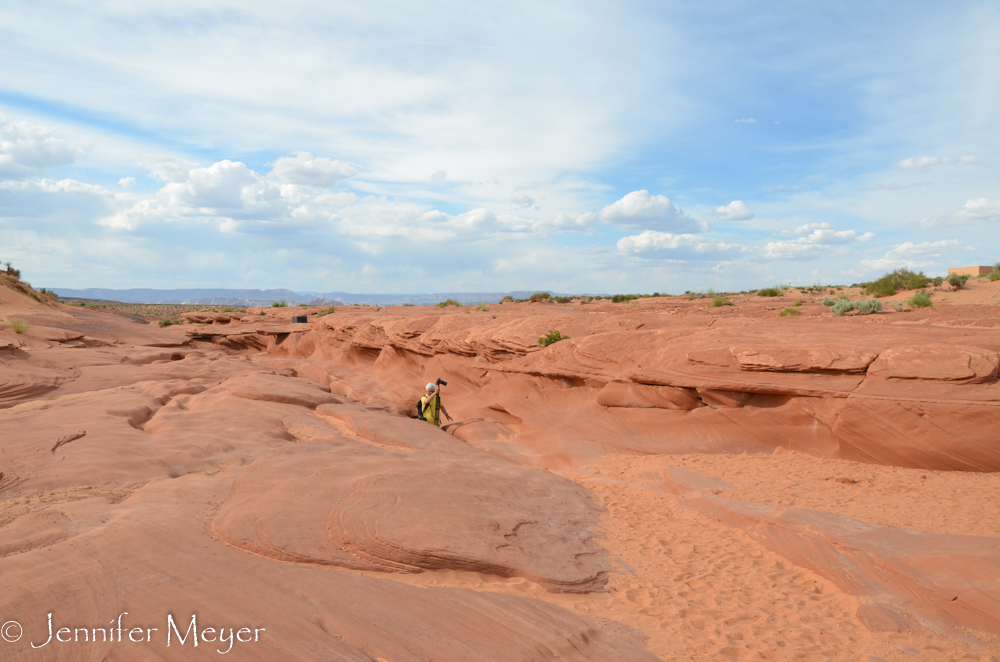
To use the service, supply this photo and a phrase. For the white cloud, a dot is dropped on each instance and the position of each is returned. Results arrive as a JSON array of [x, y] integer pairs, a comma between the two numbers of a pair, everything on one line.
[[910, 255], [583, 222], [977, 211], [126, 182], [813, 238], [748, 120], [438, 177], [927, 161], [522, 200], [641, 211], [734, 211], [27, 149], [168, 169], [660, 244], [306, 170]]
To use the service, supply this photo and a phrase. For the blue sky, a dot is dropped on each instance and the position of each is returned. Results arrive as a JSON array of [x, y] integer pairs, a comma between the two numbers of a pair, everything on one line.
[[401, 147]]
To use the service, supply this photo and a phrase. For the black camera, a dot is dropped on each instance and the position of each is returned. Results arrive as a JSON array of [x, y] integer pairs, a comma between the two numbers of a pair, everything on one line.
[[441, 382]]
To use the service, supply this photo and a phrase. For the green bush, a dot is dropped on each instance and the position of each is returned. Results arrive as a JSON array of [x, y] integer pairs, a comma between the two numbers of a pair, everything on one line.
[[827, 301], [920, 300], [769, 292], [868, 306], [789, 311], [539, 297], [170, 322], [718, 303], [842, 306], [261, 313], [900, 279], [507, 299], [958, 281], [18, 325], [622, 298], [994, 275], [449, 302], [279, 304], [564, 299], [938, 280], [551, 337], [408, 304], [328, 311], [797, 303]]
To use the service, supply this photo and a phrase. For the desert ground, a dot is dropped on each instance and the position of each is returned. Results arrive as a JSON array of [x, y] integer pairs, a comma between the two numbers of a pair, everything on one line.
[[673, 481]]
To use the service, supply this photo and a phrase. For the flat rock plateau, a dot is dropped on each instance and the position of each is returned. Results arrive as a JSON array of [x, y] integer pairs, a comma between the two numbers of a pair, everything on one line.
[[674, 481]]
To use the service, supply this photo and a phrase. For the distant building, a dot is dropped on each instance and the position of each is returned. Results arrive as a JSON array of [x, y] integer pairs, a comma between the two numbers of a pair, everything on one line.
[[971, 271]]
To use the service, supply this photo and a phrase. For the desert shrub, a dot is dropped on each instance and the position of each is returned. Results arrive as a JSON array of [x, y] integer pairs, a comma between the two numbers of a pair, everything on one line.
[[842, 306], [171, 322], [899, 306], [261, 313], [938, 280], [900, 279], [563, 299], [449, 302], [482, 306], [868, 306], [228, 310], [11, 271], [507, 299], [958, 281], [540, 297], [328, 311], [718, 303], [797, 303], [279, 304], [994, 275], [18, 325], [769, 292], [789, 311], [621, 298], [920, 300], [551, 337], [827, 301], [408, 304]]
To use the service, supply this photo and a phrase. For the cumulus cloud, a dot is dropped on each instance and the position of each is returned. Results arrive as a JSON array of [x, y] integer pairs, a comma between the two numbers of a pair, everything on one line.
[[27, 149], [927, 161], [977, 211], [167, 169], [126, 182], [811, 240], [664, 244], [641, 211], [913, 256], [734, 211], [304, 169]]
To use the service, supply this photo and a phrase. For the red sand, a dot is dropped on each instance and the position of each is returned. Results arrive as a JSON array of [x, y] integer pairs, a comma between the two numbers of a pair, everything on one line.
[[675, 481]]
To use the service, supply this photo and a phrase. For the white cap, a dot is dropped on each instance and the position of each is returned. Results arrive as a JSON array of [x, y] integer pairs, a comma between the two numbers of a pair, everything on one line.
[[430, 386]]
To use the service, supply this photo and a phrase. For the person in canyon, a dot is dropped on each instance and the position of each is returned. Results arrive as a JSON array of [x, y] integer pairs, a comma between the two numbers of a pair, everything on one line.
[[431, 405]]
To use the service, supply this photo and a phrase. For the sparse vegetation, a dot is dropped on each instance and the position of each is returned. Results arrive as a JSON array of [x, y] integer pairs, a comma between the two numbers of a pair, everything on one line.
[[563, 299], [482, 306], [279, 304], [797, 303], [551, 337], [863, 307], [507, 299], [789, 311], [769, 292], [958, 281], [900, 279], [171, 322], [17, 325], [995, 274], [718, 303], [449, 302], [827, 301], [899, 306], [920, 300], [328, 311], [410, 305], [540, 297], [261, 313]]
